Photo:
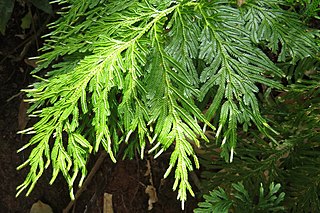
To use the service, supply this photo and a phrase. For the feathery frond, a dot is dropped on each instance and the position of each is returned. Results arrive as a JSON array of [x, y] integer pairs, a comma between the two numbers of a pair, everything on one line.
[[157, 73]]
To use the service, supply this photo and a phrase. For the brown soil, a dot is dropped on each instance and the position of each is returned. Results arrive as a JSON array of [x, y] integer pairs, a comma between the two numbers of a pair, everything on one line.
[[126, 180]]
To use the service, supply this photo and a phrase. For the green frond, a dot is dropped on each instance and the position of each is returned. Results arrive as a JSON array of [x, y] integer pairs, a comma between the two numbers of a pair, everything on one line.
[[270, 27], [173, 113], [234, 67], [159, 73], [183, 27], [293, 162], [239, 200]]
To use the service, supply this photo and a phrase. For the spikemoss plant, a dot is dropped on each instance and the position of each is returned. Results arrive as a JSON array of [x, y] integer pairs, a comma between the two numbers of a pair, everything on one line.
[[155, 75]]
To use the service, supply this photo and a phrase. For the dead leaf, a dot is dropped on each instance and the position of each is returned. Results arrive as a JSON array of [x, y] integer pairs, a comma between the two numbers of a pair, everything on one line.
[[23, 116], [107, 203], [21, 36], [148, 172], [40, 207], [153, 198], [31, 62], [240, 2]]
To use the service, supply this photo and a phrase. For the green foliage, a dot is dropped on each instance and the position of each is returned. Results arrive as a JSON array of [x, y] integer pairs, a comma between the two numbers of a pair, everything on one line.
[[239, 200], [43, 5], [308, 8], [154, 76], [6, 7], [295, 161], [271, 28]]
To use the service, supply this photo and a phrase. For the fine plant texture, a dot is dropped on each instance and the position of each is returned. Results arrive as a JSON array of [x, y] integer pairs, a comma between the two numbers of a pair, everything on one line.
[[242, 201], [154, 76], [294, 163]]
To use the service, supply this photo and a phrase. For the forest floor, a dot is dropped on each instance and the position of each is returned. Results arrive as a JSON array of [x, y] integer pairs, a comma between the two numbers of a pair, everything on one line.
[[126, 180]]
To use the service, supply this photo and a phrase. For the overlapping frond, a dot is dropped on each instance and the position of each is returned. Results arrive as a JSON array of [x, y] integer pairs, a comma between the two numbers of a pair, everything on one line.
[[176, 116], [293, 163], [154, 73], [268, 25], [82, 94], [234, 66], [269, 200]]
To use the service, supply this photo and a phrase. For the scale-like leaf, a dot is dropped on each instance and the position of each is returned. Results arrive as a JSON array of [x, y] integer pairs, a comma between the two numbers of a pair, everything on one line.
[[159, 72]]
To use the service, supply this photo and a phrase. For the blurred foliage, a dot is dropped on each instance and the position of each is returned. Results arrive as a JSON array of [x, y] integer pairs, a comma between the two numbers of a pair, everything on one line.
[[293, 162], [308, 8], [6, 9], [239, 200]]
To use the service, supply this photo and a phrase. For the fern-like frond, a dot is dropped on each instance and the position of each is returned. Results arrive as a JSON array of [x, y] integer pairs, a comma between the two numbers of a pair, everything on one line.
[[234, 66], [175, 115], [86, 103], [269, 26], [294, 162], [241, 201], [183, 28], [157, 72]]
